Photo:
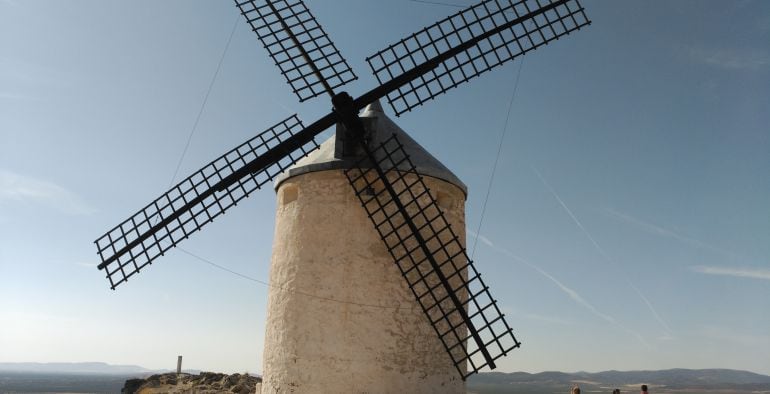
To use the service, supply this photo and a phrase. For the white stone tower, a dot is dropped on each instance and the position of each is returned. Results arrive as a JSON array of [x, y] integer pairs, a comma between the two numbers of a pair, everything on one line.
[[340, 317]]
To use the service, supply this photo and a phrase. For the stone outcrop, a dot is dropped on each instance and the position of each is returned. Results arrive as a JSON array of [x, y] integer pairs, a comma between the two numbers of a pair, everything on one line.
[[204, 383]]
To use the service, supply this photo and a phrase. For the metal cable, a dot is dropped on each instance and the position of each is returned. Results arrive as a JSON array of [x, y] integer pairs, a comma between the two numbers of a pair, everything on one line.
[[213, 264], [439, 3], [497, 158], [220, 267], [203, 104], [179, 164]]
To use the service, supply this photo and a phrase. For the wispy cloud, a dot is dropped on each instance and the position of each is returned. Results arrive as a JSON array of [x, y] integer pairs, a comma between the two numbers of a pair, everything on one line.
[[763, 23], [753, 273], [544, 318], [25, 79], [666, 337], [664, 232], [601, 251], [24, 189], [14, 97], [732, 58], [730, 334], [571, 293]]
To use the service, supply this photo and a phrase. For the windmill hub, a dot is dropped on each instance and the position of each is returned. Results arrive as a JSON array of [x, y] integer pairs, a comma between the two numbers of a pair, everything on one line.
[[354, 132], [345, 108], [342, 151]]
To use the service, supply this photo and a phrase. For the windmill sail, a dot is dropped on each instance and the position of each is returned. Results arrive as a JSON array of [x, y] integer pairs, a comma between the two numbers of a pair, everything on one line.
[[431, 258], [469, 43], [298, 45], [201, 197]]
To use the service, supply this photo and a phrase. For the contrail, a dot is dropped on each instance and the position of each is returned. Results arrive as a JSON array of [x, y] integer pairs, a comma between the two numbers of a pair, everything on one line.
[[288, 110], [569, 212], [574, 295], [664, 232], [753, 273], [602, 252], [580, 300]]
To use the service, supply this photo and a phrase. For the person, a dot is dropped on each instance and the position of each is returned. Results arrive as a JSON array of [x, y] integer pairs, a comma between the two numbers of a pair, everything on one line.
[[644, 389], [616, 391], [575, 389]]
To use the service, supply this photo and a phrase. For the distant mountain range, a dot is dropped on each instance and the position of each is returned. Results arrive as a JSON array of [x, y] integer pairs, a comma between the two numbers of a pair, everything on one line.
[[702, 380], [660, 382]]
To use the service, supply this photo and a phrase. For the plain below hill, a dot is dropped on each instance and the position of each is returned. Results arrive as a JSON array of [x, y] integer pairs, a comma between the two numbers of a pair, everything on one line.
[[78, 368], [662, 381], [84, 377]]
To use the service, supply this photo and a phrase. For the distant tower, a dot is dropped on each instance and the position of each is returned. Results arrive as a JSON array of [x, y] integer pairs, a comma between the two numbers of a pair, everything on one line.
[[326, 249]]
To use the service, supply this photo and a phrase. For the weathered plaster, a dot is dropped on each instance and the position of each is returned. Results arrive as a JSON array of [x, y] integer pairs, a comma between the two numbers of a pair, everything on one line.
[[325, 246]]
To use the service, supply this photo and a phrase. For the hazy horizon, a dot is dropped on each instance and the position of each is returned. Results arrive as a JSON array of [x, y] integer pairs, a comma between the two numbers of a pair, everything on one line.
[[194, 368]]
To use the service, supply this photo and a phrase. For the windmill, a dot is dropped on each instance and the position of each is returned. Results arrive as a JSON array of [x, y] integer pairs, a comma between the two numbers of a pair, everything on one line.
[[381, 169]]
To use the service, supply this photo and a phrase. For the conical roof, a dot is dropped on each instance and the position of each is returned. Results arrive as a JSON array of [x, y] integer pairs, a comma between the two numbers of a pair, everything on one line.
[[379, 128]]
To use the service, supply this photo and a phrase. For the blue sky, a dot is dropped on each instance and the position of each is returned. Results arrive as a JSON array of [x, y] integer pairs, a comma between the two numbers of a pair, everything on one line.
[[628, 225]]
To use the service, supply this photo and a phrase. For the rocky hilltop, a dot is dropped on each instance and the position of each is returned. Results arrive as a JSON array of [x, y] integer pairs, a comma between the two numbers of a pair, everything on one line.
[[203, 383]]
